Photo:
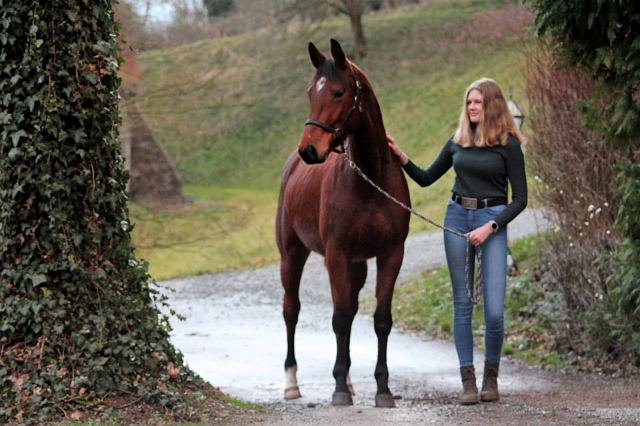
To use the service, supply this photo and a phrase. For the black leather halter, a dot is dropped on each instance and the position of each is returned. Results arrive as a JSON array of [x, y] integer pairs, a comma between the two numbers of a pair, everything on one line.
[[338, 133]]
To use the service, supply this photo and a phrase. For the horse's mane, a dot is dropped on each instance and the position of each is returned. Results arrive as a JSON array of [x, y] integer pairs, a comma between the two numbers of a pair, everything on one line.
[[330, 70]]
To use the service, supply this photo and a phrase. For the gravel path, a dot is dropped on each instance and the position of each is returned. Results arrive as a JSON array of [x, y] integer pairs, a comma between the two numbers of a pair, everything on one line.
[[234, 337]]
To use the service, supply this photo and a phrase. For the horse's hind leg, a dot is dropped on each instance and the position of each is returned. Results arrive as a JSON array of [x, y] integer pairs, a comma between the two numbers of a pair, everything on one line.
[[291, 266], [388, 269]]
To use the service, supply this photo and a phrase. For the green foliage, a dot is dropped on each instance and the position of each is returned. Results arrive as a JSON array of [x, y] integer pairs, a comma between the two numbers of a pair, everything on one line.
[[218, 7], [604, 37], [78, 318], [627, 294]]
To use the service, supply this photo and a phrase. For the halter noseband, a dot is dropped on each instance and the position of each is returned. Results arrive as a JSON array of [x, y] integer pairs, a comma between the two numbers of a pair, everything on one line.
[[338, 133]]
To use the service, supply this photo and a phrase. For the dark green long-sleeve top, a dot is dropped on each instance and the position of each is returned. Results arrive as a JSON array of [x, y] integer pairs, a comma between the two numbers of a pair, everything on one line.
[[480, 173]]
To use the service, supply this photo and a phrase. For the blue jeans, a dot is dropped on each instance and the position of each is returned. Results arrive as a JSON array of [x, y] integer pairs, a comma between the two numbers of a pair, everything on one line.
[[494, 274]]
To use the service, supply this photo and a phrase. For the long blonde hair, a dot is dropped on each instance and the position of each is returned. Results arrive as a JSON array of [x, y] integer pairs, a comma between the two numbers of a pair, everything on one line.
[[497, 124]]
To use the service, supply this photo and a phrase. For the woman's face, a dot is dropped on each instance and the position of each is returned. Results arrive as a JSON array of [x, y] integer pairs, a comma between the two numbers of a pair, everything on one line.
[[474, 106]]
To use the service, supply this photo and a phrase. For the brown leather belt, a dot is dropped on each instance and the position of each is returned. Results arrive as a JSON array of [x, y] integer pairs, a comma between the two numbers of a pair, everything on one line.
[[474, 203]]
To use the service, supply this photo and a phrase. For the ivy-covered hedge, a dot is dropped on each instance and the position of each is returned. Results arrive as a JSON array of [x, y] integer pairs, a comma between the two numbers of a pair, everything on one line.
[[78, 319]]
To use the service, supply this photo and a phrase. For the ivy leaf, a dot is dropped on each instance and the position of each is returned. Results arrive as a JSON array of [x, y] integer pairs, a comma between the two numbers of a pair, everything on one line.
[[5, 117], [14, 153], [78, 135], [15, 137], [18, 187], [31, 100], [37, 279]]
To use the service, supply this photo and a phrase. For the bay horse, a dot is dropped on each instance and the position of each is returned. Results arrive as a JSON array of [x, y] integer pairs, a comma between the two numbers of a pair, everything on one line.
[[326, 207]]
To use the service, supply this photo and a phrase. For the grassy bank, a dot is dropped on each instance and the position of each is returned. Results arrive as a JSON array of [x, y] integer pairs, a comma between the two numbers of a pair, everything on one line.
[[229, 111], [223, 229]]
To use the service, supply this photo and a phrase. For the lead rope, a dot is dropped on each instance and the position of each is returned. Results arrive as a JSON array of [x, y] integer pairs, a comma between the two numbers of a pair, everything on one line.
[[477, 294]]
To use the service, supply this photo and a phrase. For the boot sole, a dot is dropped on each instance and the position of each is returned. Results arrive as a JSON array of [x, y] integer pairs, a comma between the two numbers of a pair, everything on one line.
[[489, 399]]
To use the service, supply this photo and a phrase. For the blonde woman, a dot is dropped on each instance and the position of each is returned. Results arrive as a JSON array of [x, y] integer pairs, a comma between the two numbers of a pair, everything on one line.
[[486, 156]]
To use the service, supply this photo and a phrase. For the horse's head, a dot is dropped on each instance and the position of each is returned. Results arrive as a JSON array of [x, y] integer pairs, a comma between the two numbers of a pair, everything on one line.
[[334, 96]]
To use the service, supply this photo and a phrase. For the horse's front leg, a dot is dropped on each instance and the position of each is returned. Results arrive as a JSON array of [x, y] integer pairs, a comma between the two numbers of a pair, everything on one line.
[[343, 314], [388, 269]]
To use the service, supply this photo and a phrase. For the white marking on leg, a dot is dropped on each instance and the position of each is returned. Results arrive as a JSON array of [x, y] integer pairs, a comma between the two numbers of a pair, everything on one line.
[[292, 381], [291, 390], [320, 84]]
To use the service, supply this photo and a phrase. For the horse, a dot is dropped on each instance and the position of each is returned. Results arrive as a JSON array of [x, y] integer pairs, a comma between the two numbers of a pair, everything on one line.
[[325, 207]]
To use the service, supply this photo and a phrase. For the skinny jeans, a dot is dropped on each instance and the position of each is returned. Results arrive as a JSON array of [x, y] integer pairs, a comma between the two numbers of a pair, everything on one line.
[[494, 275]]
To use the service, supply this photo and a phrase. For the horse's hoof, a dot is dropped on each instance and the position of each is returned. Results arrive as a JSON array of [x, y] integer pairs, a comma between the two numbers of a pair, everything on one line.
[[292, 393], [385, 400], [342, 398]]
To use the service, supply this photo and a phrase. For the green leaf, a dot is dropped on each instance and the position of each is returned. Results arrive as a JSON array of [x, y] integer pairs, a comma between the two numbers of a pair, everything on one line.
[[15, 136], [39, 42], [17, 188], [14, 153], [37, 279]]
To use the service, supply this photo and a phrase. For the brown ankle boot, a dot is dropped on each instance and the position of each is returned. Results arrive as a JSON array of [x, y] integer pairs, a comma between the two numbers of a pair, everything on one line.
[[490, 382], [469, 395]]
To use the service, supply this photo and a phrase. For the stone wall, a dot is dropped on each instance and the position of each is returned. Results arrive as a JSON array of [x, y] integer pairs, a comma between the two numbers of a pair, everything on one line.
[[154, 179]]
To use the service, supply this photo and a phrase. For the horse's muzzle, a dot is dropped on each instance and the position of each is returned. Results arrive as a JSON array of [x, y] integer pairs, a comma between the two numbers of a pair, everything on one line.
[[310, 155]]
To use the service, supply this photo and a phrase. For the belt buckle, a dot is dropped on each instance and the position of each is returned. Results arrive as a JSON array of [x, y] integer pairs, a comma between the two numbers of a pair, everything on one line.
[[469, 203]]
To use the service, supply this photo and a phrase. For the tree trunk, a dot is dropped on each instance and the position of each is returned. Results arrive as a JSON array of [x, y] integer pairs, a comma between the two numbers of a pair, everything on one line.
[[355, 10]]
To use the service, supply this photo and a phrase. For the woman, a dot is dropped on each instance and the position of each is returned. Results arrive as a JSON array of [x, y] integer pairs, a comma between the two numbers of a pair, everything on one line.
[[485, 154]]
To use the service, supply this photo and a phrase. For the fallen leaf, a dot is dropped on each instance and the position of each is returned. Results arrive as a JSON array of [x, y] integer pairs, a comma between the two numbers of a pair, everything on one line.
[[173, 372], [77, 415]]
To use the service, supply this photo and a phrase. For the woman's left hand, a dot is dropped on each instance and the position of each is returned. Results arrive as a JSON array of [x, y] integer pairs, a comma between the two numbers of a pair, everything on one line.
[[479, 235]]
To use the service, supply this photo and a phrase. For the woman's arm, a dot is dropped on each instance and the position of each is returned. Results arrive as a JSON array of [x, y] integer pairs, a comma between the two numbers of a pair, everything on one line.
[[424, 177], [518, 181]]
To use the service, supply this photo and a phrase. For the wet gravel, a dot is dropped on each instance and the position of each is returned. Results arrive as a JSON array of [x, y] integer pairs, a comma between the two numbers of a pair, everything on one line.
[[234, 337]]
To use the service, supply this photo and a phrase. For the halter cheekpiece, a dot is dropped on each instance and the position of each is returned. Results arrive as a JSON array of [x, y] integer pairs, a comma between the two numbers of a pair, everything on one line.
[[338, 133]]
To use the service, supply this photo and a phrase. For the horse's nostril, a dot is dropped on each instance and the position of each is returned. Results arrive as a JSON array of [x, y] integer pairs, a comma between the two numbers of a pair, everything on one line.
[[312, 153], [309, 155]]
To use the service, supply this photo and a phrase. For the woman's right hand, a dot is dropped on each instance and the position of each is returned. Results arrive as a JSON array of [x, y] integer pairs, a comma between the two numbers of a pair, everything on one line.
[[393, 146]]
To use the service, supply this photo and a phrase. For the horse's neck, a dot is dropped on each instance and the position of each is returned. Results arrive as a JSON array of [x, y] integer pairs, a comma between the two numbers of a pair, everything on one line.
[[370, 150]]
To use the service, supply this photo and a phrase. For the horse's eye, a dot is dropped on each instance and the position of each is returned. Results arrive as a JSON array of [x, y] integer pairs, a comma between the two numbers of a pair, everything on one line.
[[338, 94]]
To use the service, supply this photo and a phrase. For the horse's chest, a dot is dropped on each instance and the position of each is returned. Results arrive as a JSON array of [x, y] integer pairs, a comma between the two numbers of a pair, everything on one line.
[[368, 228]]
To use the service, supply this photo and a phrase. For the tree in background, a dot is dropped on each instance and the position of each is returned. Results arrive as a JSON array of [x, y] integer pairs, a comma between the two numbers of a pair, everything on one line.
[[354, 9], [218, 7], [317, 9], [601, 41], [79, 320]]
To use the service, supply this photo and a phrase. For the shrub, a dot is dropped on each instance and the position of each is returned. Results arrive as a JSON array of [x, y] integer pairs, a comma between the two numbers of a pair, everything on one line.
[[578, 176]]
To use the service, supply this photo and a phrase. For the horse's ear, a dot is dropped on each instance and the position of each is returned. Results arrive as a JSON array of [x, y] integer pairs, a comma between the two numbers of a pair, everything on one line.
[[338, 55], [317, 58]]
